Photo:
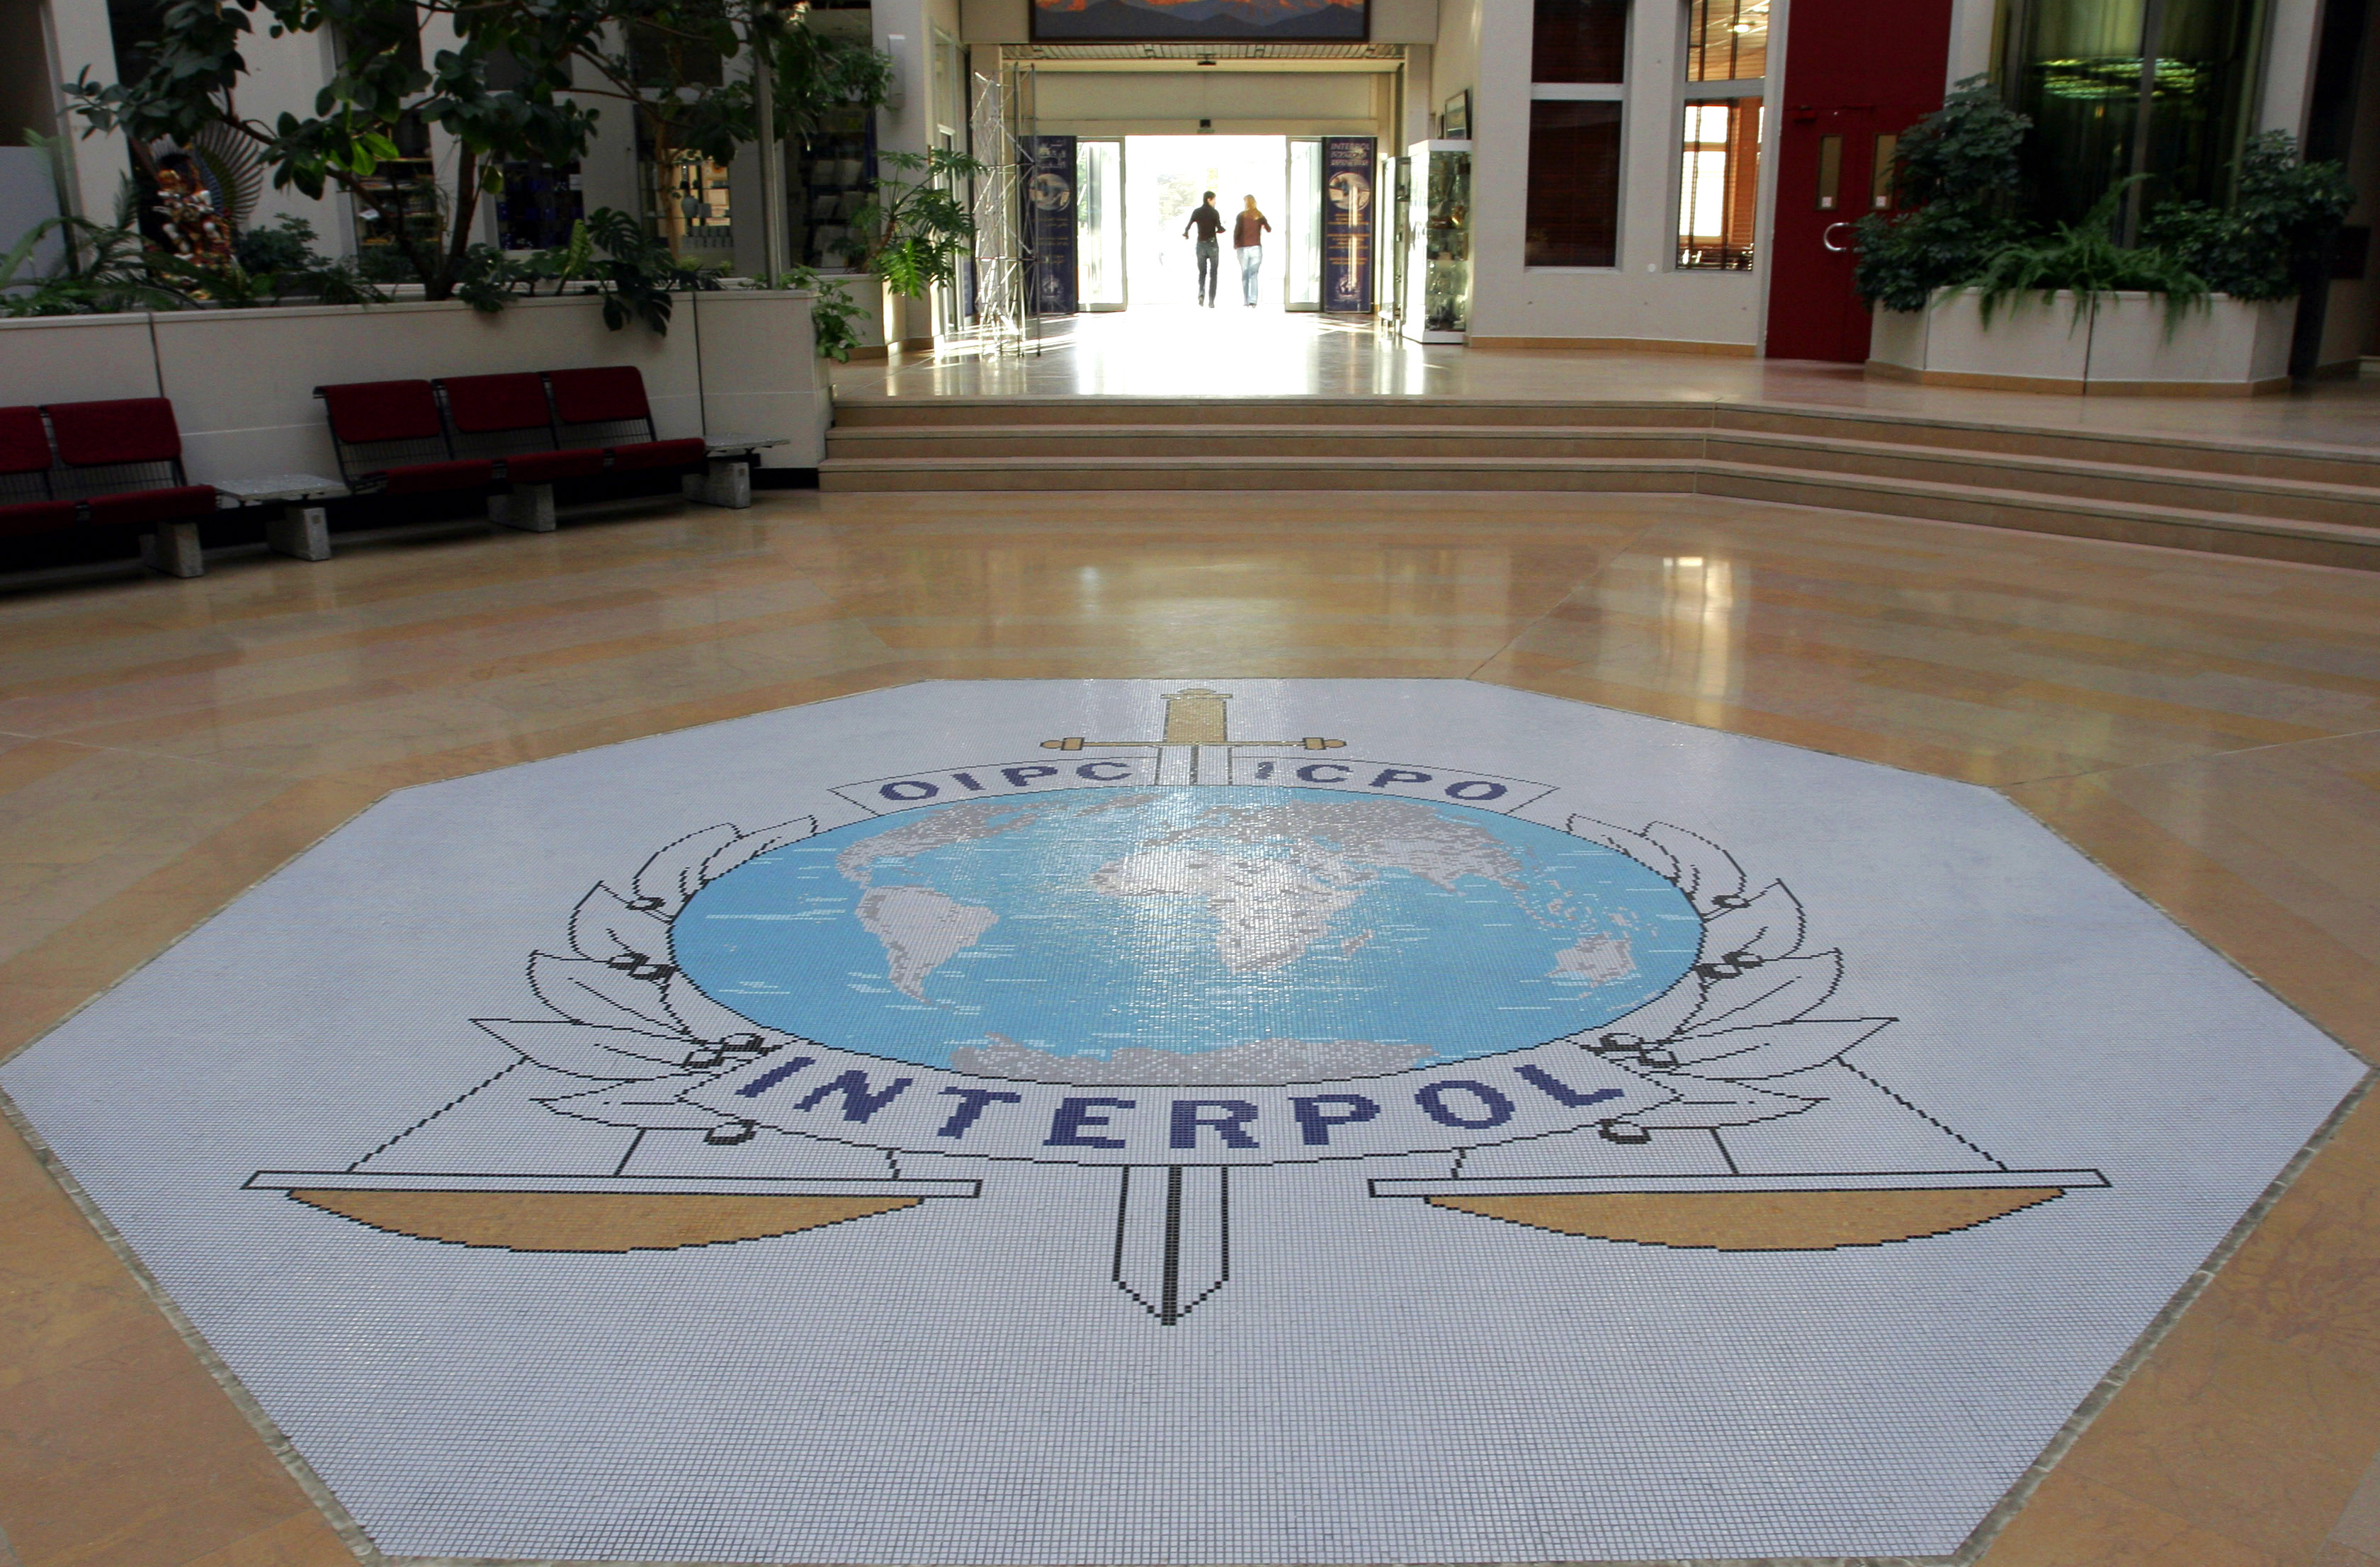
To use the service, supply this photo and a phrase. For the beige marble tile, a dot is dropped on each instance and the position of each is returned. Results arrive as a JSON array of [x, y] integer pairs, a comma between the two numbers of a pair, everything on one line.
[[2208, 730]]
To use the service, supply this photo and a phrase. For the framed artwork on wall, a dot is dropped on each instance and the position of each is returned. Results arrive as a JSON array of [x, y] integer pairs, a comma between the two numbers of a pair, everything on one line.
[[1202, 21], [1455, 120]]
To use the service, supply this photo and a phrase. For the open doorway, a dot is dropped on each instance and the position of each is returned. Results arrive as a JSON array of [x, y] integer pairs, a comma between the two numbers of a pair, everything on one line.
[[1164, 178]]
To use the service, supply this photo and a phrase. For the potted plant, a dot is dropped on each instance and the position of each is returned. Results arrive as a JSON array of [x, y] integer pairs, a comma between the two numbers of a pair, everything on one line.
[[915, 232], [1965, 294]]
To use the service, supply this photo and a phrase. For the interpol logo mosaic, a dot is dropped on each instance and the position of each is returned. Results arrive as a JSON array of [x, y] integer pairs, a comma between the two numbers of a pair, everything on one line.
[[1123, 1109]]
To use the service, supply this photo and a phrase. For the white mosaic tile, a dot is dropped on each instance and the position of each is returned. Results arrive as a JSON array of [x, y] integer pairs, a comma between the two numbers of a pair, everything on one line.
[[1173, 1053]]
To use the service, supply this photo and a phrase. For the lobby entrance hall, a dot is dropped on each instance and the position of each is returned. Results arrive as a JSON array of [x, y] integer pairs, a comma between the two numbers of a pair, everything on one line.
[[1190, 784], [1266, 188]]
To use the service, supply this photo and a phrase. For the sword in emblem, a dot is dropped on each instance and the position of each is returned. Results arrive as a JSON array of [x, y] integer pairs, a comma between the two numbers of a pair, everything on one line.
[[1173, 1230]]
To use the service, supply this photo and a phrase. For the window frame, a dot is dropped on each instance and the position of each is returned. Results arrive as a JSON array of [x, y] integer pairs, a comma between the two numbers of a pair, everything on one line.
[[1593, 92], [1684, 92]]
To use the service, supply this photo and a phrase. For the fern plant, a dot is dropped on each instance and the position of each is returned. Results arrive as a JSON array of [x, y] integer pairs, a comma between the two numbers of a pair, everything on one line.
[[105, 271], [2085, 260]]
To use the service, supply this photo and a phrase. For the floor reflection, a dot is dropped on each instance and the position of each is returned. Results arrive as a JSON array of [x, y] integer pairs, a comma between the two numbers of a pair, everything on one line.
[[1154, 351]]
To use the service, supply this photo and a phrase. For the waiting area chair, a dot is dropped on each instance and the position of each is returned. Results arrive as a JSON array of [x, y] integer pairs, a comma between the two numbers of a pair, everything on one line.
[[513, 435], [113, 465]]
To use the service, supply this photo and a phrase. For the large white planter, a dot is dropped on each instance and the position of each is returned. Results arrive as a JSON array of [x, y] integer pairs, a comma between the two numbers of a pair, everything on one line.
[[734, 363], [2121, 344]]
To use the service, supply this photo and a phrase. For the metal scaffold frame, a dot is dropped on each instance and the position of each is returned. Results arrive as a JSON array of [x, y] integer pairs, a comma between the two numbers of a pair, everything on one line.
[[998, 261]]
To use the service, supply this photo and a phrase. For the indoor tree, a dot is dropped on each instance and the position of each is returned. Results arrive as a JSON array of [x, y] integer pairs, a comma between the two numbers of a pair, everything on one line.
[[524, 82]]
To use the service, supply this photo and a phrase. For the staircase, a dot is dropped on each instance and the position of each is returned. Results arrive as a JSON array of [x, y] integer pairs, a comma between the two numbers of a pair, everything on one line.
[[2316, 505]]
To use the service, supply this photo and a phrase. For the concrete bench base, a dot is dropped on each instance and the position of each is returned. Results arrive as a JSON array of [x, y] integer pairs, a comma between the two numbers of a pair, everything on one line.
[[726, 482], [301, 530], [174, 550], [530, 508]]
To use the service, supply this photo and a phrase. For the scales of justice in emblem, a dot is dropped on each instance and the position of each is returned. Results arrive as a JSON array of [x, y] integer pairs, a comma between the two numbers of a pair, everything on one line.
[[1159, 960]]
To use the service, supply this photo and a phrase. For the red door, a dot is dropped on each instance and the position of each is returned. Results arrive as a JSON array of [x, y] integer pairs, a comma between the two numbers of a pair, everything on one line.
[[1857, 74]]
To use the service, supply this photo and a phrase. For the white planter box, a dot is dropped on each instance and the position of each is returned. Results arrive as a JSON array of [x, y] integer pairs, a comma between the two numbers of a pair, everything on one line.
[[2120, 346], [735, 363]]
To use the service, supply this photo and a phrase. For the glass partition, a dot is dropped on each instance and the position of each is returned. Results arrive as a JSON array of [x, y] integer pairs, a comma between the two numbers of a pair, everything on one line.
[[1579, 40], [1573, 203], [1301, 224], [1099, 218], [1727, 40], [1718, 189], [2080, 68]]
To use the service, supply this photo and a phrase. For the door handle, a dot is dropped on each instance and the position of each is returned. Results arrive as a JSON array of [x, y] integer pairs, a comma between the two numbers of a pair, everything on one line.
[[1827, 237]]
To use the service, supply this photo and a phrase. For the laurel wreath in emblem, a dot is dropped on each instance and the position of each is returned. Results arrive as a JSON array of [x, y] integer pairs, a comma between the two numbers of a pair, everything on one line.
[[1743, 1013], [625, 1016]]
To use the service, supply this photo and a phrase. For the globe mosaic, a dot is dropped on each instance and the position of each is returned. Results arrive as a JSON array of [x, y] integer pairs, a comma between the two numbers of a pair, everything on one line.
[[1187, 935]]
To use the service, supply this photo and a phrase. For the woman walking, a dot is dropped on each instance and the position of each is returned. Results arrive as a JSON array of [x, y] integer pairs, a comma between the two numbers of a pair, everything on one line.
[[1247, 240]]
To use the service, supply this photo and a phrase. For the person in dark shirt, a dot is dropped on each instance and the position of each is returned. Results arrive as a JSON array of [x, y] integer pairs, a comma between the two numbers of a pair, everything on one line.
[[1209, 225], [1247, 240]]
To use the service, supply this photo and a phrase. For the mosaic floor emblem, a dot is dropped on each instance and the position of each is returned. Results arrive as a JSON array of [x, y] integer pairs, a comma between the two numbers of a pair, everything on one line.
[[1474, 1103]]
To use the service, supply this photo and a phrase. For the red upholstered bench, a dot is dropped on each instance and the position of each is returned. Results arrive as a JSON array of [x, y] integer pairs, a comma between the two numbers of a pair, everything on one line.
[[28, 504], [114, 465], [508, 418], [392, 440], [608, 406]]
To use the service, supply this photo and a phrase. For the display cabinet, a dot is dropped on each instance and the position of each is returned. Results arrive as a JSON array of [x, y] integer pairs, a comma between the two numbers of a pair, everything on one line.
[[1437, 266]]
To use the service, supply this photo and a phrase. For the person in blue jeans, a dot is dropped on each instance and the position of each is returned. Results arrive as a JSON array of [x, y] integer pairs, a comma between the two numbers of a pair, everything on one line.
[[1209, 225], [1248, 241]]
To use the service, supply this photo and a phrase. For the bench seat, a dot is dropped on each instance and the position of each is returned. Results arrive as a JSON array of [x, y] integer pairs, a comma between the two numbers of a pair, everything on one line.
[[36, 516], [544, 468], [392, 440], [644, 456], [137, 508]]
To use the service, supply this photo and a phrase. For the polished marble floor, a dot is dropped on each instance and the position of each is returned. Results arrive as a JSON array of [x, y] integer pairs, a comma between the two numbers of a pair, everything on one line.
[[1176, 353], [2201, 729]]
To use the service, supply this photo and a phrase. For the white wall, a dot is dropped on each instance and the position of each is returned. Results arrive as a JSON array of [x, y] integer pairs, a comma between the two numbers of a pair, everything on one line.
[[1404, 21], [2292, 29], [995, 21], [28, 197], [1642, 297], [1972, 22], [283, 77], [1242, 103], [910, 128], [79, 39], [77, 359], [1454, 57], [608, 172], [242, 381]]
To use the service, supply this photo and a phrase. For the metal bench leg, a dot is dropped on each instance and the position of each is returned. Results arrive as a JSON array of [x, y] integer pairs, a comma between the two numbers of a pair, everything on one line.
[[528, 508], [174, 550], [300, 531], [726, 482]]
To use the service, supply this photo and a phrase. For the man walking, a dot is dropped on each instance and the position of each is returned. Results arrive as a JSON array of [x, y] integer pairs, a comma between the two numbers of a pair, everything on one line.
[[1210, 223], [1247, 240]]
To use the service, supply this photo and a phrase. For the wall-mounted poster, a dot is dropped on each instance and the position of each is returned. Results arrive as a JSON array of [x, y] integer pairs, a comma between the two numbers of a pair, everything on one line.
[[1347, 221], [1049, 224], [1200, 22]]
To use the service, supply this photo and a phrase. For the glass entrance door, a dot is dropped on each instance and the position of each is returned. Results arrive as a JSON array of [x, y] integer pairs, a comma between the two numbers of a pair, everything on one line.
[[1302, 224], [1099, 219]]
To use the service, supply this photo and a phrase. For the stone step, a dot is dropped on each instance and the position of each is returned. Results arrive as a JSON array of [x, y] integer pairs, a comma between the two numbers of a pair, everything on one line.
[[2311, 464], [1272, 441], [2243, 494], [2310, 541]]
